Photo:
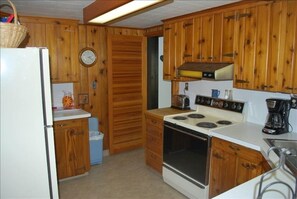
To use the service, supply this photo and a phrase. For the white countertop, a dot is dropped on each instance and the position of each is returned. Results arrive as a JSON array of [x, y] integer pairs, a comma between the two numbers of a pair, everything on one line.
[[70, 114], [250, 135]]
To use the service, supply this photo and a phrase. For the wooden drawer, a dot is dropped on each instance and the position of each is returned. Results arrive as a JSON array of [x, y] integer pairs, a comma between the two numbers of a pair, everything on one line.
[[236, 149], [155, 131], [154, 160], [154, 144], [151, 121], [68, 123]]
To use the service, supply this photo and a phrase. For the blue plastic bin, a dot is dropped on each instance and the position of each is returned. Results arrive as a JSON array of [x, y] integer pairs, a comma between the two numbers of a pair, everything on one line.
[[96, 141]]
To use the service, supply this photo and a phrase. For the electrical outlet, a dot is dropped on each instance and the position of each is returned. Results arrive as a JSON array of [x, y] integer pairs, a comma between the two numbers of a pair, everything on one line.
[[83, 98], [186, 86], [294, 102]]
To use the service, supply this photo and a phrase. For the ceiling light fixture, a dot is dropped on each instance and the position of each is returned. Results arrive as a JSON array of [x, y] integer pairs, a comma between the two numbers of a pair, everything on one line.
[[106, 11]]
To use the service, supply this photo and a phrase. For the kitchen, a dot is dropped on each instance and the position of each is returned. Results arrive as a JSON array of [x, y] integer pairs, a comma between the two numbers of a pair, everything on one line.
[[256, 107]]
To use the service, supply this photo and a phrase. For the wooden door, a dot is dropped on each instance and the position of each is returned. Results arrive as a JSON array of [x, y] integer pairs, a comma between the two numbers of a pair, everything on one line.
[[188, 40], [206, 40], [126, 91], [217, 37]]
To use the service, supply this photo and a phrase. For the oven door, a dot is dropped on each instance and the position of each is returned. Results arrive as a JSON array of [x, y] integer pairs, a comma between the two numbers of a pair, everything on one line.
[[186, 153]]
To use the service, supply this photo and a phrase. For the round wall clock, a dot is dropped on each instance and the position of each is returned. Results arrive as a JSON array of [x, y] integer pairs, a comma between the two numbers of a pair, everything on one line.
[[87, 57]]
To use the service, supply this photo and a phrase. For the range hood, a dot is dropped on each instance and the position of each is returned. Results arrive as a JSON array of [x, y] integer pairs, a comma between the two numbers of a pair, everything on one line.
[[207, 70]]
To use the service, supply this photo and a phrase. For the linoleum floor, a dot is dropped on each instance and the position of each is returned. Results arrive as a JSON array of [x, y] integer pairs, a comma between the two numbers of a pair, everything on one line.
[[121, 176]]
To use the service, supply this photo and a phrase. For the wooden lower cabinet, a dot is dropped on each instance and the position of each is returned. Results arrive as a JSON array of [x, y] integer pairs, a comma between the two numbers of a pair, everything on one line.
[[232, 164], [154, 142], [72, 147]]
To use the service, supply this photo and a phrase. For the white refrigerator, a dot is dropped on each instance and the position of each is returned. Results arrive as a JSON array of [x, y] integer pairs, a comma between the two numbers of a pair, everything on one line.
[[28, 164]]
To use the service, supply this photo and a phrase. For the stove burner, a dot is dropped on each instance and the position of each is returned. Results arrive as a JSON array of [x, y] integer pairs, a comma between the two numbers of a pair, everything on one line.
[[224, 122], [206, 124], [196, 115], [180, 118]]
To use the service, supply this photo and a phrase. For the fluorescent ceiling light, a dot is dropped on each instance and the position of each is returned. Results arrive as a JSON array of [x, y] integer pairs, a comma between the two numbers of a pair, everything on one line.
[[123, 10]]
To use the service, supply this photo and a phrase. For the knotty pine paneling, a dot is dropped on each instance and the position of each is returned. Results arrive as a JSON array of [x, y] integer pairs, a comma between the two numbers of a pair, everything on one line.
[[93, 80]]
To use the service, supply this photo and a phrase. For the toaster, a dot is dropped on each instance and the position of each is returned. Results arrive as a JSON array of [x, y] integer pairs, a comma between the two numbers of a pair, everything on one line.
[[180, 102]]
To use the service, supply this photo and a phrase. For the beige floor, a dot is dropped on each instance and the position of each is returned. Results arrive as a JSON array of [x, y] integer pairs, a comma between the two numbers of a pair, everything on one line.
[[122, 176]]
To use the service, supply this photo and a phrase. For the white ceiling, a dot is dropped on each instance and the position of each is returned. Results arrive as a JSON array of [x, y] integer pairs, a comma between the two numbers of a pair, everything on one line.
[[74, 10]]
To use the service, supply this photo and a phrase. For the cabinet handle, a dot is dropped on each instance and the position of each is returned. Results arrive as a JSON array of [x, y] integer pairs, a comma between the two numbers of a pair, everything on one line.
[[216, 155], [167, 28], [200, 57], [242, 81], [234, 147], [73, 132], [187, 55], [230, 17], [263, 87], [61, 125], [187, 24], [289, 88], [244, 15], [229, 54], [248, 166]]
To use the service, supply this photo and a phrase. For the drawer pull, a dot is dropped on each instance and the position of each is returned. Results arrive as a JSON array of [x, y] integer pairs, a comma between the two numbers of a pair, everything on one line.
[[248, 166], [216, 155], [62, 125]]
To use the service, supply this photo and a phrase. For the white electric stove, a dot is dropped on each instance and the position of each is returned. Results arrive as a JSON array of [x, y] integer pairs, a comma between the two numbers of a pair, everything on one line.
[[186, 147]]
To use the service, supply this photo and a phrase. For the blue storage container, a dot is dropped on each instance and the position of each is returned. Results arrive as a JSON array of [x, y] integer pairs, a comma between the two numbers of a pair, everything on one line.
[[96, 142]]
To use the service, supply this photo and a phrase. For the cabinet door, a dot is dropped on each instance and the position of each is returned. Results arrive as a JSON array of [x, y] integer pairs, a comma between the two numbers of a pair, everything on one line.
[[245, 61], [62, 41], [72, 147], [288, 80], [188, 40], [247, 169], [222, 175], [228, 36], [169, 51], [206, 39]]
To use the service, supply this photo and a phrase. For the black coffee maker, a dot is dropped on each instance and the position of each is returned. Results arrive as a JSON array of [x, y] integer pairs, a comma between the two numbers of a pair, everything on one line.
[[277, 121]]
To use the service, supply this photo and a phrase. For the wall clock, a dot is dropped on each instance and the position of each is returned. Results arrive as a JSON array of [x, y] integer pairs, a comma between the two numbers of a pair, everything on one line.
[[87, 57]]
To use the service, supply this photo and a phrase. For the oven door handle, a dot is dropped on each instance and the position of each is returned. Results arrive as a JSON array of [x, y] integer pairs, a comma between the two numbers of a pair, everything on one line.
[[196, 136]]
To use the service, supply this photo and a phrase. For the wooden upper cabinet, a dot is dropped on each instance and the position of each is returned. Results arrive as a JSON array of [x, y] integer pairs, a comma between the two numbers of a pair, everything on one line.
[[289, 75], [62, 41], [178, 48], [207, 38], [246, 46], [228, 36], [60, 36], [169, 51]]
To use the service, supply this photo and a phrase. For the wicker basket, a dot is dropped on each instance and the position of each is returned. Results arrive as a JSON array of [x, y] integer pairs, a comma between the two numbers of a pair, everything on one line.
[[12, 34]]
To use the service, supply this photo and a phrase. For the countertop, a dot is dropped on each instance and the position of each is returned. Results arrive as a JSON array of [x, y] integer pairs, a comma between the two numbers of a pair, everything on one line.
[[250, 135], [70, 114], [161, 112]]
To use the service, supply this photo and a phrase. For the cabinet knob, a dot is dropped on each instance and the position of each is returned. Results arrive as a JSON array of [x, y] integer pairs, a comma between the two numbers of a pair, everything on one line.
[[216, 155], [242, 81], [263, 87], [233, 147]]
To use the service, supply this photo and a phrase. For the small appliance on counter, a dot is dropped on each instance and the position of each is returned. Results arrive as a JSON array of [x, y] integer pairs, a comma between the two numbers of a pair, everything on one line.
[[180, 102], [277, 121]]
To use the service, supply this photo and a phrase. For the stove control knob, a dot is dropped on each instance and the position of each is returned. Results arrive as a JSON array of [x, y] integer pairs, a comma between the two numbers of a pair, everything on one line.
[[221, 104], [208, 102], [239, 107], [226, 105], [233, 106]]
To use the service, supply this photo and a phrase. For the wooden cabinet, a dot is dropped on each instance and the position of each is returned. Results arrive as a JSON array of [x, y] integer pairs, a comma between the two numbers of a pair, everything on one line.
[[62, 41], [178, 48], [72, 147], [60, 36], [207, 38], [266, 47], [154, 142], [232, 165]]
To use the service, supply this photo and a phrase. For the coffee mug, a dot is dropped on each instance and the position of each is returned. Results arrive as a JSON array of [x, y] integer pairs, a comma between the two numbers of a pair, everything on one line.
[[215, 93]]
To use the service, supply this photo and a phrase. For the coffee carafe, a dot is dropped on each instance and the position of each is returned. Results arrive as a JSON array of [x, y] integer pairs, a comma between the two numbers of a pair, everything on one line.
[[277, 121]]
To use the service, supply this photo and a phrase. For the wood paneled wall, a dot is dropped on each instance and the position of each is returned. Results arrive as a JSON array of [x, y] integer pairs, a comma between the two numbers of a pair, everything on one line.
[[93, 80]]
